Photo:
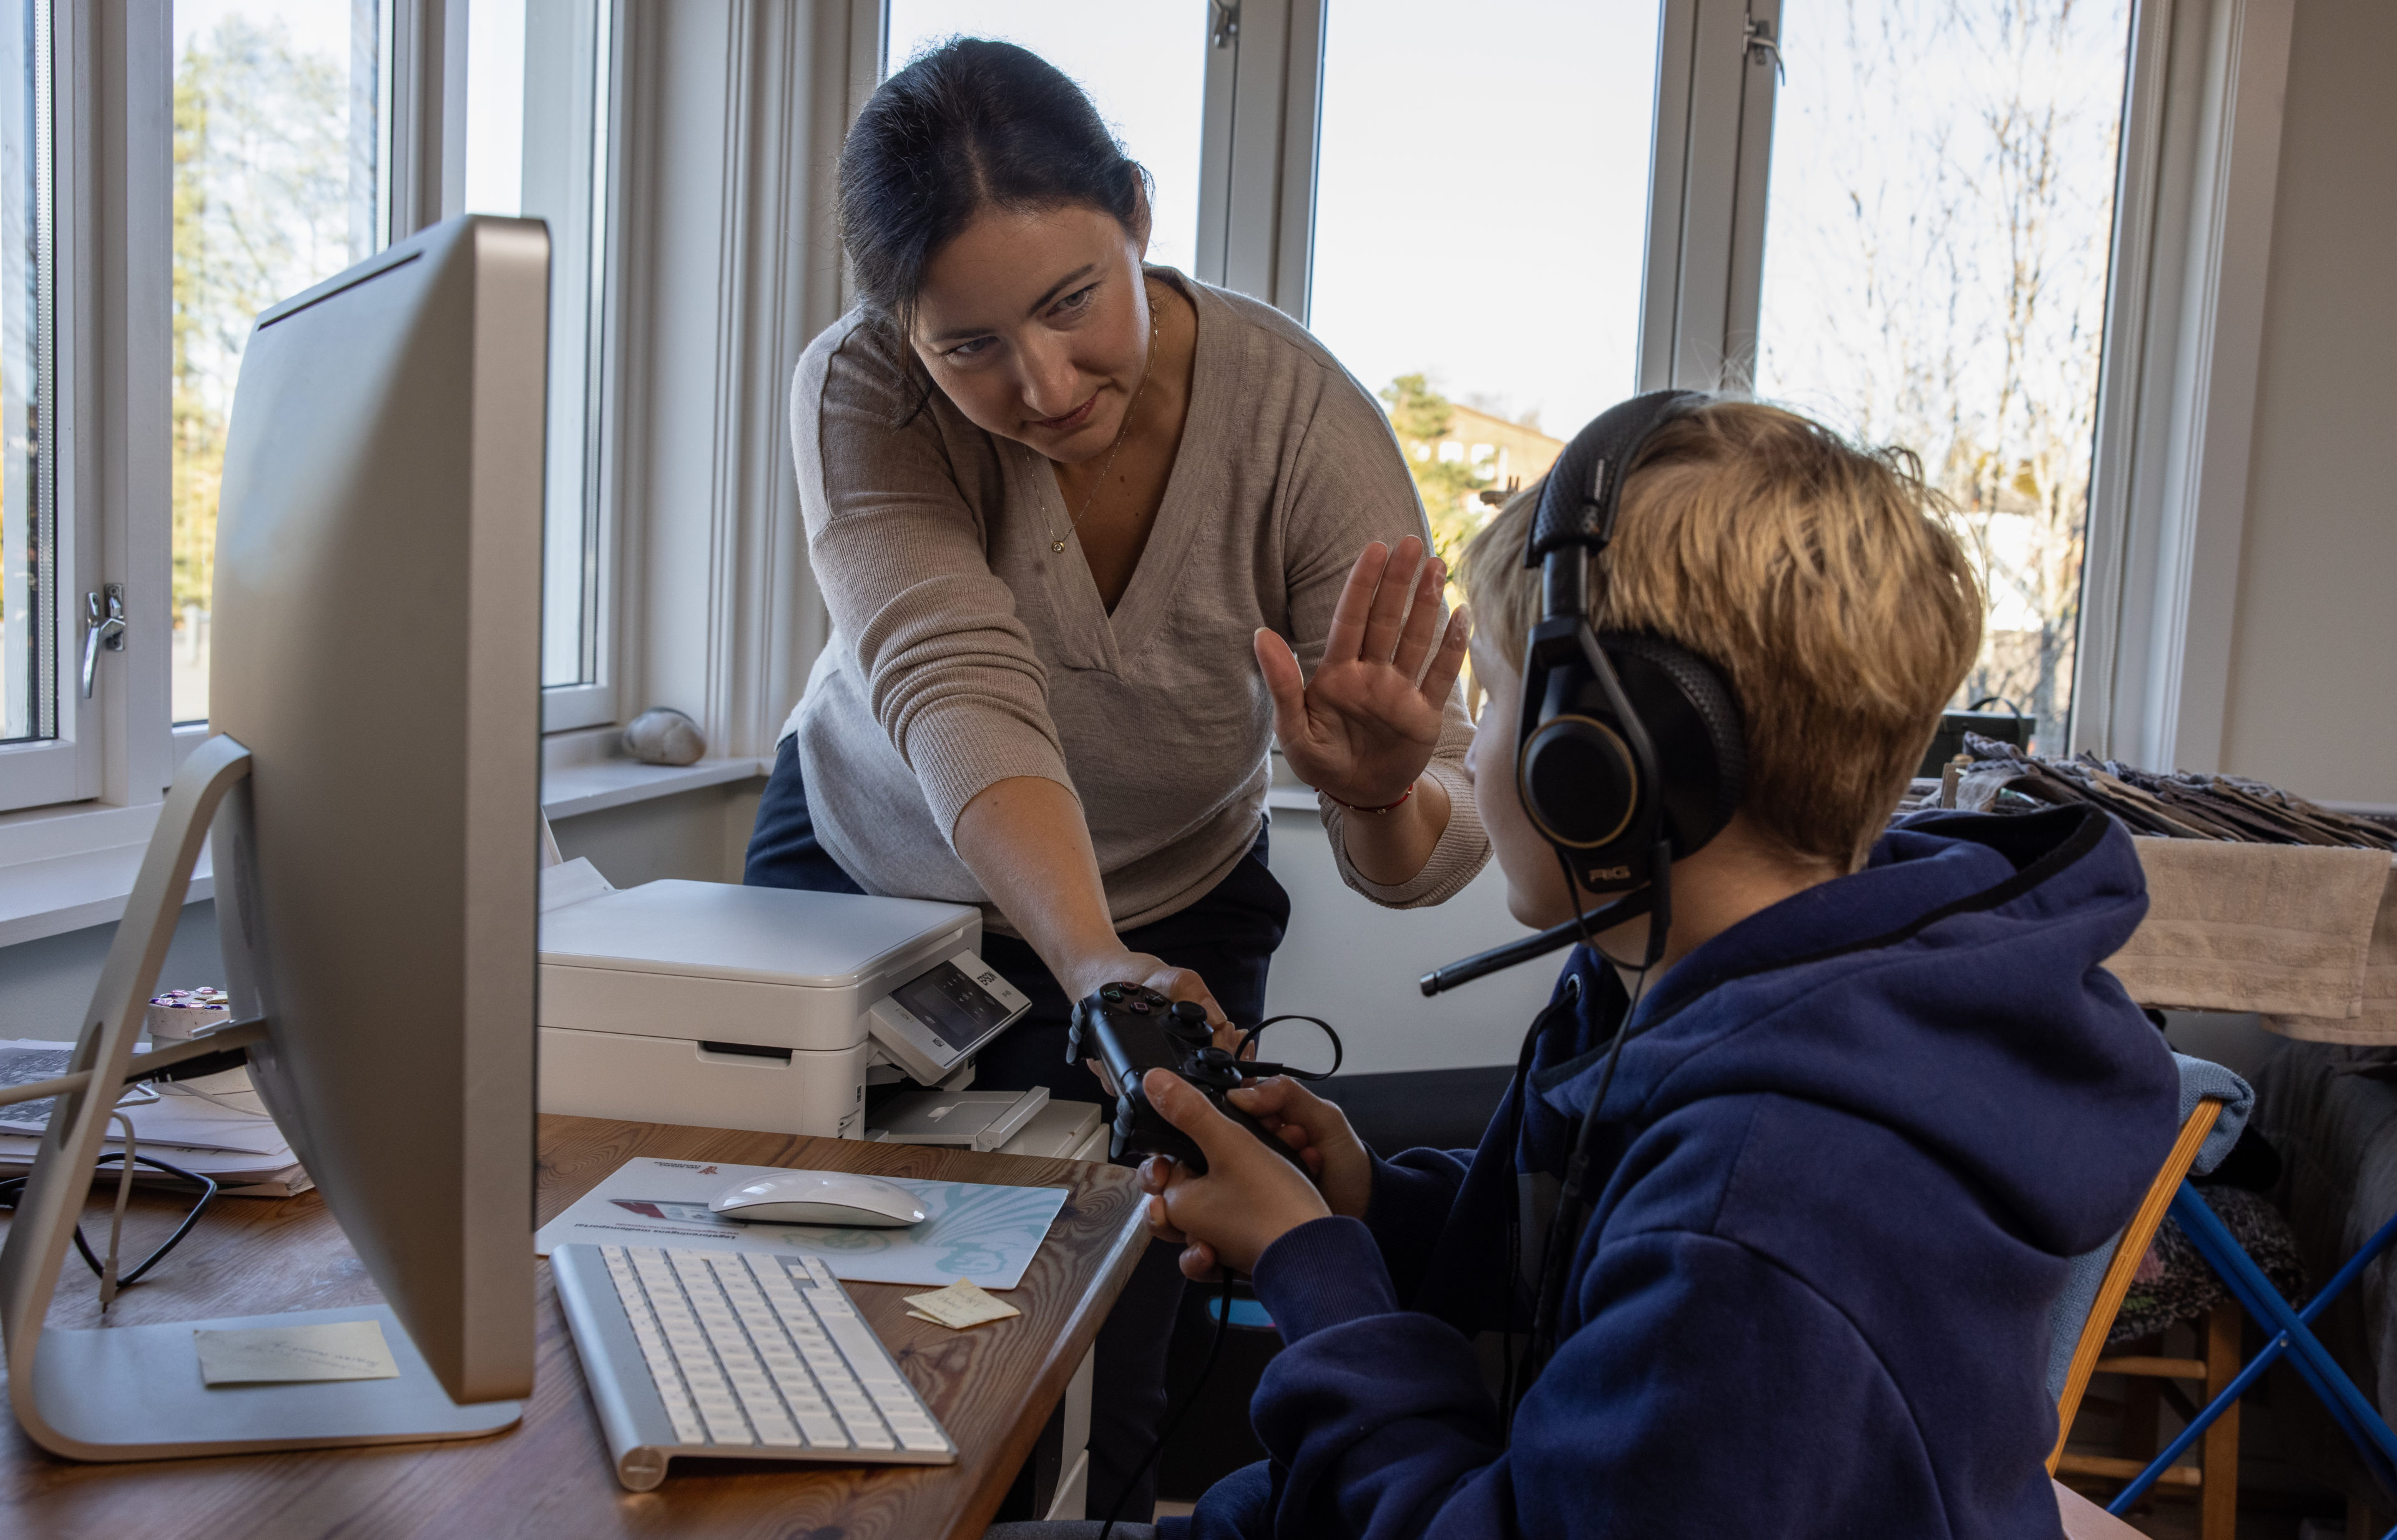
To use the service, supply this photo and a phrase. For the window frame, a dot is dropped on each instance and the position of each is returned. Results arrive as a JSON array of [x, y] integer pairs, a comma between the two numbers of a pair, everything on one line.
[[73, 766]]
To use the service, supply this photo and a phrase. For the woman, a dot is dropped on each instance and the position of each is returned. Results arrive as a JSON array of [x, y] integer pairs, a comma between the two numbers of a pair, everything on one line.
[[1057, 503]]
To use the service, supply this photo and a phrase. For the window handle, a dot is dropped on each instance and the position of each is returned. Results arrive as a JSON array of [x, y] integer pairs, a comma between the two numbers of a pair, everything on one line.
[[1227, 23], [1757, 39], [103, 626]]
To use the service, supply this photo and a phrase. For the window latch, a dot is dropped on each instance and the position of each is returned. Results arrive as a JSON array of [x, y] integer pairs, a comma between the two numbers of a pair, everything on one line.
[[103, 626], [1227, 23], [1756, 38]]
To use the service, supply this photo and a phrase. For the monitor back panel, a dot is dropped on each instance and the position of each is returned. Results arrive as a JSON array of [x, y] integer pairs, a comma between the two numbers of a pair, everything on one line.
[[377, 648]]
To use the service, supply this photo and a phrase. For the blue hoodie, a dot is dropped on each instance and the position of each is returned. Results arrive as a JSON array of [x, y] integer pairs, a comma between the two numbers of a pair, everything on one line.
[[1846, 1158]]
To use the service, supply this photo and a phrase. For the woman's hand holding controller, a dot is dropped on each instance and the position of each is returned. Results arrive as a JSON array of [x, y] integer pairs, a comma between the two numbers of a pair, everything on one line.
[[1087, 976], [1250, 1197]]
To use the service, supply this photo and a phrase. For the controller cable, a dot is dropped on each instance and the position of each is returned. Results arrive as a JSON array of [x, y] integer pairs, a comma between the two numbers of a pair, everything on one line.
[[1260, 1071], [1173, 1423], [1564, 1225]]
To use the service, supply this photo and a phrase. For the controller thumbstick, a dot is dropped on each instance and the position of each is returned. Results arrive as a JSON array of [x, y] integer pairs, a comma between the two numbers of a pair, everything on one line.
[[1191, 1012], [1212, 1065]]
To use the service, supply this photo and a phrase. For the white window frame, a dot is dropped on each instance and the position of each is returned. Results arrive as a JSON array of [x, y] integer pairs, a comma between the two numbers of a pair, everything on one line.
[[109, 339], [2176, 388], [717, 612], [592, 704]]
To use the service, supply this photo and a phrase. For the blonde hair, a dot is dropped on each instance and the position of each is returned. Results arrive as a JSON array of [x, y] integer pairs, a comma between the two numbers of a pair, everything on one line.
[[1821, 579]]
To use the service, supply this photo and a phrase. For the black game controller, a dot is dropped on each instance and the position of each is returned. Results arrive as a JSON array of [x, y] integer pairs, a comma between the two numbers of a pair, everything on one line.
[[1130, 1030]]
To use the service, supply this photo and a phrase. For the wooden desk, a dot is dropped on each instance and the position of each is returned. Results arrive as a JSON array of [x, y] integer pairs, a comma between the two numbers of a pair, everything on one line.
[[992, 1387]]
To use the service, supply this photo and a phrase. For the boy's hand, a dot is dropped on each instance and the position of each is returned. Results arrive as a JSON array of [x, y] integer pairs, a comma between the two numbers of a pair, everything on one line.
[[1249, 1199], [1319, 1133]]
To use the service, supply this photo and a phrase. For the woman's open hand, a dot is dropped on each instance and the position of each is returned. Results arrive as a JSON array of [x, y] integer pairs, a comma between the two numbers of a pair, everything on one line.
[[1363, 729]]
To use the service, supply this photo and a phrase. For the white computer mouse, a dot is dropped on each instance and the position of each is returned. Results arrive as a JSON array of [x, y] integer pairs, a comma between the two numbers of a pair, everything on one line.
[[819, 1197]]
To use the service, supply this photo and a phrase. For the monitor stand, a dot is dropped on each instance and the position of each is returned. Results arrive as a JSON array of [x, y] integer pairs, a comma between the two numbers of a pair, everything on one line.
[[134, 1392]]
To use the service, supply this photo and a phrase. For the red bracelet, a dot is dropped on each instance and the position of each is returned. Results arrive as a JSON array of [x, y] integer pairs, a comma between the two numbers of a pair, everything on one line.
[[1387, 807]]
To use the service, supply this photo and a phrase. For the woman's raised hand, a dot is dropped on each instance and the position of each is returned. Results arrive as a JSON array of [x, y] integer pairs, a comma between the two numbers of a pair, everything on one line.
[[1363, 729]]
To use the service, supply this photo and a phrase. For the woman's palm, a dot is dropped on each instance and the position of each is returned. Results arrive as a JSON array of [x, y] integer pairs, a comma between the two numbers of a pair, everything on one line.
[[1363, 729]]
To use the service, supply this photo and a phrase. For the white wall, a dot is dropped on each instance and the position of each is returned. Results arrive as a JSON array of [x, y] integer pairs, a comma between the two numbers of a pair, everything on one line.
[[1355, 964], [2316, 630]]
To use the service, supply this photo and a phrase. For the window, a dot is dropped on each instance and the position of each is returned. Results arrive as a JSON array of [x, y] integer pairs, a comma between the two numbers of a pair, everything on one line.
[[278, 164], [1938, 226], [1481, 198], [30, 676], [1142, 62], [538, 78]]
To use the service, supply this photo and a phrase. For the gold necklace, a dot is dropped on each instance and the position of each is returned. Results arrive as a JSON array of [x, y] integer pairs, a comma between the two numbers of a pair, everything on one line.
[[1156, 320]]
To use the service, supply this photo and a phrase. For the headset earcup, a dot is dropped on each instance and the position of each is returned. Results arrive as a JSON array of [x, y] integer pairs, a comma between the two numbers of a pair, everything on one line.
[[1579, 782], [1694, 723]]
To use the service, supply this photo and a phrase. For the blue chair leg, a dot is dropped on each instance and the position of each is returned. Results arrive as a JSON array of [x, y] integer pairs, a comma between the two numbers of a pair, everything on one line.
[[2357, 1417], [2348, 1273]]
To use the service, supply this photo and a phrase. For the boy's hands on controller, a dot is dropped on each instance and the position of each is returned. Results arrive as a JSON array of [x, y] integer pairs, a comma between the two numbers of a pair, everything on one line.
[[1250, 1197]]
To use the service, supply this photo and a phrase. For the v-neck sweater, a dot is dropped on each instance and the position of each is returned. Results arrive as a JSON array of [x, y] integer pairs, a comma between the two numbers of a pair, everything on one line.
[[964, 651]]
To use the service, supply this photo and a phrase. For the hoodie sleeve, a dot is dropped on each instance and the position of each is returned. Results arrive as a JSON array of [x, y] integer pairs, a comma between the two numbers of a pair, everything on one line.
[[1707, 1393], [1414, 1194]]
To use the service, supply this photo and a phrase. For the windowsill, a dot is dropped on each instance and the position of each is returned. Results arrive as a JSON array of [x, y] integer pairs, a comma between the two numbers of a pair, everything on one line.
[[73, 868], [77, 870], [570, 790]]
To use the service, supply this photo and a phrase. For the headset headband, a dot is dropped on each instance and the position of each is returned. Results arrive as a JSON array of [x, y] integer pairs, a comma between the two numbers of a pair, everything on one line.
[[1585, 487]]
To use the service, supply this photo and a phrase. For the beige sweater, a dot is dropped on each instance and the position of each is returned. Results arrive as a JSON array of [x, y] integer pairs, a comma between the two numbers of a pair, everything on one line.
[[964, 651]]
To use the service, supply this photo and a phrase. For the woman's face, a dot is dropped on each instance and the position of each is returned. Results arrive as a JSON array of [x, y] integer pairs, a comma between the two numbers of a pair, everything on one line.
[[1036, 325]]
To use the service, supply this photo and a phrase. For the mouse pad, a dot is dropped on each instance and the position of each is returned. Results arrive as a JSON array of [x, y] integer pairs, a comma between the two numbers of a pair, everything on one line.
[[985, 1233]]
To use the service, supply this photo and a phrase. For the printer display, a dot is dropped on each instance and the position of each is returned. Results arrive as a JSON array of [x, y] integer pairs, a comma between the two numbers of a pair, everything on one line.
[[724, 1006]]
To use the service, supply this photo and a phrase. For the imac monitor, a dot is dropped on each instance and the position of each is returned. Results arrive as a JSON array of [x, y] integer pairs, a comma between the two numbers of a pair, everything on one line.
[[377, 650]]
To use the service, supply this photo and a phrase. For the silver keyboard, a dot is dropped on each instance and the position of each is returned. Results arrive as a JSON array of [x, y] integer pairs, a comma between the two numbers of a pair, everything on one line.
[[734, 1353]]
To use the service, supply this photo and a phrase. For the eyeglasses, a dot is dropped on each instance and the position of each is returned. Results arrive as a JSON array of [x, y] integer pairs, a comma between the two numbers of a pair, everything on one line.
[[111, 1277]]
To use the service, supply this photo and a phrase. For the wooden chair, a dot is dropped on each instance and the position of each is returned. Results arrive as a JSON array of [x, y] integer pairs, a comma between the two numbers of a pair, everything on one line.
[[2216, 1479]]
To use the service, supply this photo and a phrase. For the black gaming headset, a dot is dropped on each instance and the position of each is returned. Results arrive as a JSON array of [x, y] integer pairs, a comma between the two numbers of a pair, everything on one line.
[[1631, 754]]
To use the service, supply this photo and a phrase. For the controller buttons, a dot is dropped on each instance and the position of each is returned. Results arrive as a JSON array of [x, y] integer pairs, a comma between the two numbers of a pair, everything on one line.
[[1140, 1008], [1112, 994]]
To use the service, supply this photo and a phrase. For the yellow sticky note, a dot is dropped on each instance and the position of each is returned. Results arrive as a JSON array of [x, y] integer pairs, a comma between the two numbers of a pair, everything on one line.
[[959, 1306], [285, 1354]]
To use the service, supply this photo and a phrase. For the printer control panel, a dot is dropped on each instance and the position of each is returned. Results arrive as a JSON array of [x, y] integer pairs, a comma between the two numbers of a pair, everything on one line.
[[940, 1017]]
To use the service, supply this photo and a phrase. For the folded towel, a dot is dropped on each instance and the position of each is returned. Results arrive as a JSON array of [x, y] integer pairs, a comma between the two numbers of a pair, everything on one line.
[[2282, 929], [2376, 1021]]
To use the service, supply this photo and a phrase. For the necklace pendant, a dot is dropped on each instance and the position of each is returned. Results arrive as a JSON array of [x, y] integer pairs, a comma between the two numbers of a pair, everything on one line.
[[1056, 545]]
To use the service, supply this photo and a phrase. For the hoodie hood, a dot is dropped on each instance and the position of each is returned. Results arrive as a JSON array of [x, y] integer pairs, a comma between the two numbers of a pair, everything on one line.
[[1954, 991]]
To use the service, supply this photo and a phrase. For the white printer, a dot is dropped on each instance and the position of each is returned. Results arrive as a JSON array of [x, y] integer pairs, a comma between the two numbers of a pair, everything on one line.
[[757, 1008]]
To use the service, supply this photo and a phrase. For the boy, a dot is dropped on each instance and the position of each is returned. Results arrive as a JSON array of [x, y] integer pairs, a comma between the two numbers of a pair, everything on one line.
[[1876, 1092]]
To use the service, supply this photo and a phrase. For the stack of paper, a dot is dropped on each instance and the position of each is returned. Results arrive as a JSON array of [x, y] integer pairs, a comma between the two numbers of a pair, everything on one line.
[[215, 1124]]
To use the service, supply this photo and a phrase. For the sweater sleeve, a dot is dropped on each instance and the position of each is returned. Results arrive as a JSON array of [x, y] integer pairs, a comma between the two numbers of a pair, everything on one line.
[[1350, 487], [1708, 1392], [900, 555]]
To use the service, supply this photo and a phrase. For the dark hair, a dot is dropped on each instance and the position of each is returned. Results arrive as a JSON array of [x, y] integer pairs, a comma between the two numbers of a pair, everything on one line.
[[968, 125]]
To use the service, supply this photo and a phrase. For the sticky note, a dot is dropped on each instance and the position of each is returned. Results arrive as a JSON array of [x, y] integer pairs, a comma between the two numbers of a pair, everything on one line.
[[284, 1355], [959, 1306]]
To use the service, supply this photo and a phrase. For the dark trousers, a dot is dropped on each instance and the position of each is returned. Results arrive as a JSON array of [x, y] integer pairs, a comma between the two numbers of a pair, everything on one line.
[[1227, 938]]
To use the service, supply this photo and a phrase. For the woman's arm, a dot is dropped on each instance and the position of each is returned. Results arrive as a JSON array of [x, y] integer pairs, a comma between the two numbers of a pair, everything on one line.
[[1026, 841]]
